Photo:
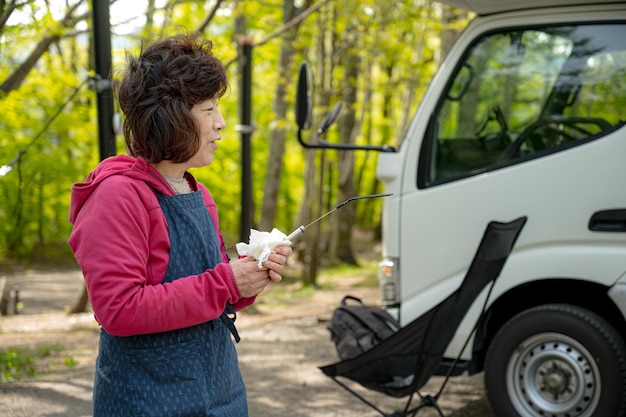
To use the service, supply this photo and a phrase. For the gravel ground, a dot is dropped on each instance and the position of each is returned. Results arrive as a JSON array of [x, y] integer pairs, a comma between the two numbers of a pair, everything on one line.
[[282, 346]]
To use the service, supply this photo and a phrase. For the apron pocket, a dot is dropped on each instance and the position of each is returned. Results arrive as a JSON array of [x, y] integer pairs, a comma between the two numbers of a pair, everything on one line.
[[168, 380]]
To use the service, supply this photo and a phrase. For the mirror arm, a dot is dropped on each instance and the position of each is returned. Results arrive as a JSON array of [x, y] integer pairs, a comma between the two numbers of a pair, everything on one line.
[[322, 144]]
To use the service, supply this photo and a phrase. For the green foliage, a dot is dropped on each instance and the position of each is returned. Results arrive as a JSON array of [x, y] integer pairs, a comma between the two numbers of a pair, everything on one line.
[[22, 362], [69, 361], [398, 45], [15, 363], [35, 194]]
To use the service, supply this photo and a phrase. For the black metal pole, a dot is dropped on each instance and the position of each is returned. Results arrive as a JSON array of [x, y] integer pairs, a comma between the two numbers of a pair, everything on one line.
[[246, 129], [102, 84]]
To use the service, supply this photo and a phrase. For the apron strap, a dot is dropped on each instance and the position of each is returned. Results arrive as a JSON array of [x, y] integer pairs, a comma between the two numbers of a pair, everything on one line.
[[228, 317]]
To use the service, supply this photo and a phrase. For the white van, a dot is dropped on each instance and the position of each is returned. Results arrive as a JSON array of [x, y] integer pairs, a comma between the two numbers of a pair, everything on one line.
[[525, 117]]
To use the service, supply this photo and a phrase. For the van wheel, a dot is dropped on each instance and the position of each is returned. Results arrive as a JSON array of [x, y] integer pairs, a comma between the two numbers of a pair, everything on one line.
[[556, 360]]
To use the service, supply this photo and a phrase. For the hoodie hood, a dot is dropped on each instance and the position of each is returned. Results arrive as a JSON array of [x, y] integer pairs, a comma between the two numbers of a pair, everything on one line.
[[125, 165]]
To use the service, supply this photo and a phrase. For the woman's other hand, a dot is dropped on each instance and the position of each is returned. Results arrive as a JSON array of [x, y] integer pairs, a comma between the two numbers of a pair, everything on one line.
[[252, 280]]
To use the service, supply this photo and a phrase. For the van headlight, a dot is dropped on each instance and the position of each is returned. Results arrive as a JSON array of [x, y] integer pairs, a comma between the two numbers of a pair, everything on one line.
[[388, 282]]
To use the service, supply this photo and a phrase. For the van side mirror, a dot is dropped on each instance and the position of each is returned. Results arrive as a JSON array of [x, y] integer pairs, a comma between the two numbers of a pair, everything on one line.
[[304, 111], [304, 97]]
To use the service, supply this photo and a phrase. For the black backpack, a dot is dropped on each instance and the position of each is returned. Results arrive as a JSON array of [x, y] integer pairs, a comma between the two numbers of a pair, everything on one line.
[[355, 328]]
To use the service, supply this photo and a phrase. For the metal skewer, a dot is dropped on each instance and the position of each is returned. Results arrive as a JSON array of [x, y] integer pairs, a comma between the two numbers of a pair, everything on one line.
[[300, 230]]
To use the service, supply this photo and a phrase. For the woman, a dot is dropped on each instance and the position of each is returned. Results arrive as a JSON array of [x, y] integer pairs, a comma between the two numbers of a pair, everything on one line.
[[147, 237]]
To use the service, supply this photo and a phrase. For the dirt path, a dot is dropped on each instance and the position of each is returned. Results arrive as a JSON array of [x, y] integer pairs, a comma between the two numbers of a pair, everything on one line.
[[283, 343]]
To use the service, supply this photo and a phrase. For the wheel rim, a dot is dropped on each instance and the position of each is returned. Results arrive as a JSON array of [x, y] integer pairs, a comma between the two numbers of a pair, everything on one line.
[[552, 375]]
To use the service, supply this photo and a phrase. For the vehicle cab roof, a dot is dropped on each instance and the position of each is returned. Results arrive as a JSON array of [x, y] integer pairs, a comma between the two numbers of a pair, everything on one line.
[[485, 7]]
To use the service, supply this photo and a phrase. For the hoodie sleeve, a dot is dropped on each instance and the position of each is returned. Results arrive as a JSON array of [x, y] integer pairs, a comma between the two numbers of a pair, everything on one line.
[[120, 241]]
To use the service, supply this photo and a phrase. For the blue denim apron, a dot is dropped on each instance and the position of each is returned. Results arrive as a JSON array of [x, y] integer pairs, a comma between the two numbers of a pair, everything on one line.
[[190, 372]]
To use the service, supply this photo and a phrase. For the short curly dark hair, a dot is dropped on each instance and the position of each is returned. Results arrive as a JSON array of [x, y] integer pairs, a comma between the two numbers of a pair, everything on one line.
[[158, 90]]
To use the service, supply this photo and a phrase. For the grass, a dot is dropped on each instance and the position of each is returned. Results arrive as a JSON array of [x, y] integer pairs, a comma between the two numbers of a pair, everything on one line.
[[365, 274], [17, 363]]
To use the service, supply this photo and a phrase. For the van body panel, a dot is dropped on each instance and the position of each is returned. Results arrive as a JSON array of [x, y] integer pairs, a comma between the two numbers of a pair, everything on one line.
[[559, 199]]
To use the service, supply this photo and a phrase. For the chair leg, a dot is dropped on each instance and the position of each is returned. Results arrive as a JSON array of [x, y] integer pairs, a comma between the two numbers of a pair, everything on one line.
[[432, 402], [426, 401]]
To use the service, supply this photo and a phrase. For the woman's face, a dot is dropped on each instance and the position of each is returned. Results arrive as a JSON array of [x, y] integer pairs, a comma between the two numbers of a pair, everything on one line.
[[210, 123]]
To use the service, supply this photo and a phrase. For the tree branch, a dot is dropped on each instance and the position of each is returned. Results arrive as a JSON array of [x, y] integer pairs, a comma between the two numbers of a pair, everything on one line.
[[205, 22], [7, 9], [293, 22], [17, 77]]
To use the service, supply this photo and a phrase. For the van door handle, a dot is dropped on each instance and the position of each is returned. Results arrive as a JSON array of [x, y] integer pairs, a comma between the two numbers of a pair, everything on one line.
[[608, 221]]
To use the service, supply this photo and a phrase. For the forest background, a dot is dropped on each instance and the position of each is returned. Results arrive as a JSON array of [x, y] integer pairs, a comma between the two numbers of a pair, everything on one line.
[[376, 56]]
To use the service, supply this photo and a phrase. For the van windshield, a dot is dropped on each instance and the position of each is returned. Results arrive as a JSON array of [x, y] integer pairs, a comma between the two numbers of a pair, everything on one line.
[[525, 93]]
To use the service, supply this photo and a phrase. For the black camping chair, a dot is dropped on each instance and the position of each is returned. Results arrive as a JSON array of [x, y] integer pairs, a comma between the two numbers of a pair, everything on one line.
[[402, 364]]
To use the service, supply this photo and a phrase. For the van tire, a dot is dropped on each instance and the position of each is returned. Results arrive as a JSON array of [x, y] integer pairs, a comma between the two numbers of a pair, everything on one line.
[[556, 360]]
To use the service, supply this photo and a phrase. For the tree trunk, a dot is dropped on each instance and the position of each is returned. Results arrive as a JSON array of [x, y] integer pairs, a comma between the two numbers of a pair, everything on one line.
[[311, 204], [311, 255], [81, 304], [4, 297], [345, 219], [277, 133]]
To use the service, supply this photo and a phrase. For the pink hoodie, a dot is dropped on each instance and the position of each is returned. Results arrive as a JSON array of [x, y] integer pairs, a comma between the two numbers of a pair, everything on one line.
[[120, 240]]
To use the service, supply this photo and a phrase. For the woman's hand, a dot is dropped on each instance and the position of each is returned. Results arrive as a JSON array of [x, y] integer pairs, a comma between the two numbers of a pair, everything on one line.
[[252, 280]]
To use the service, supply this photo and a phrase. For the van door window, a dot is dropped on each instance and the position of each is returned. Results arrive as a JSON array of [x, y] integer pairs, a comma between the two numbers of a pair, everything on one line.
[[525, 93]]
